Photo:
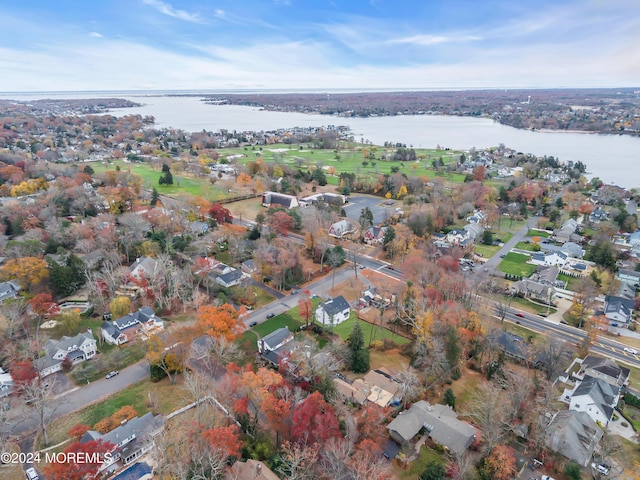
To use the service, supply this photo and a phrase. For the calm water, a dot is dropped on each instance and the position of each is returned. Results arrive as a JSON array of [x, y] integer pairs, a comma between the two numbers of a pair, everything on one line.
[[613, 158]]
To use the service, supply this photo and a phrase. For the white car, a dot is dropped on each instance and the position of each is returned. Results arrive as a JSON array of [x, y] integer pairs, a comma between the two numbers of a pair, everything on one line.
[[32, 474], [546, 477], [630, 350]]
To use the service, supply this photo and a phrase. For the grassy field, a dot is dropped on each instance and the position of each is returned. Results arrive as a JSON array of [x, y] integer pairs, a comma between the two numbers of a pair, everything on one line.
[[539, 233], [530, 247], [369, 331], [486, 251], [515, 264], [166, 396], [528, 306], [570, 280], [283, 320], [633, 415], [181, 184]]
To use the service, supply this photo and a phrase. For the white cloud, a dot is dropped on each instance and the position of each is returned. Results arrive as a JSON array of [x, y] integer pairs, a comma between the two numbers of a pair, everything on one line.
[[427, 40], [167, 9], [95, 35]]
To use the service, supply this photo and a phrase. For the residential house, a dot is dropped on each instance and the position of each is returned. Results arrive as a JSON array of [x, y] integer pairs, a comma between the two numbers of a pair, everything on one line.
[[356, 392], [230, 279], [274, 199], [541, 292], [198, 228], [474, 229], [572, 249], [478, 217], [73, 349], [546, 275], [128, 327], [626, 276], [458, 237], [276, 346], [567, 231], [374, 235], [333, 311], [605, 369], [8, 290], [516, 347], [574, 435], [328, 198], [618, 310], [440, 423], [595, 397], [252, 470], [143, 267], [598, 215], [557, 259], [341, 228], [383, 387], [6, 383], [249, 267], [131, 439]]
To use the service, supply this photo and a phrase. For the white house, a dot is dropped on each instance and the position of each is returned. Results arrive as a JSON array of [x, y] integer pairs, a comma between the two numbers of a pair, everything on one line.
[[557, 259], [618, 310], [341, 228], [143, 267], [126, 328], [595, 397], [230, 279], [275, 340], [270, 199], [8, 290], [74, 349], [333, 312]]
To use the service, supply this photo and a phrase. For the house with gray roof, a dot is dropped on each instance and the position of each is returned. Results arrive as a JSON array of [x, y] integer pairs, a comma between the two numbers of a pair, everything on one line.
[[143, 267], [604, 369], [128, 327], [541, 292], [596, 398], [8, 290], [74, 349], [131, 439], [271, 199], [333, 311], [574, 435], [275, 340], [440, 423], [628, 276], [230, 279], [341, 228], [618, 310]]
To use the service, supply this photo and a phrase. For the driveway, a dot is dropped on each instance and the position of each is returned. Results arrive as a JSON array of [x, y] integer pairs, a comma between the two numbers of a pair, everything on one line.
[[375, 204]]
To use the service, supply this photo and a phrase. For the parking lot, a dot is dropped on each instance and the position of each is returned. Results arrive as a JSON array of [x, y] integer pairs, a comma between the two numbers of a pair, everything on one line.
[[375, 204]]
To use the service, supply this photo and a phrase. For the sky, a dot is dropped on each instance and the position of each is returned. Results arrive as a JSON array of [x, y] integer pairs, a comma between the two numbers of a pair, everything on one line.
[[80, 45]]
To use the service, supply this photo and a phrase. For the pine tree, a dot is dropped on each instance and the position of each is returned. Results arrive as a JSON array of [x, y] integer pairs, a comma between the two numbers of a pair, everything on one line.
[[154, 197], [359, 354]]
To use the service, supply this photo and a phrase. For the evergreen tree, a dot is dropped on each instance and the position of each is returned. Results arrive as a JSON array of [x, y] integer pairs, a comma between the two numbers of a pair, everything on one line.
[[389, 236], [154, 197], [434, 471], [359, 354], [450, 398]]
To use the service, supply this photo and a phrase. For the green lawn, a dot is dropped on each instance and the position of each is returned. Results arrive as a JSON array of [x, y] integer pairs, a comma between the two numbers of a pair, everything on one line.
[[515, 264], [570, 280], [181, 183], [427, 455], [486, 251], [343, 330], [539, 233], [111, 358], [632, 414], [529, 246], [528, 306], [285, 319]]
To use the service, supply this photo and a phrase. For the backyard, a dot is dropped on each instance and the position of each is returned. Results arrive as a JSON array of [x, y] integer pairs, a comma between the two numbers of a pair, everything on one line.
[[515, 264]]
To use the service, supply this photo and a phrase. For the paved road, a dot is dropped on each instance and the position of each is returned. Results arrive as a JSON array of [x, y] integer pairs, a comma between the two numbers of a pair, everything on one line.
[[25, 419]]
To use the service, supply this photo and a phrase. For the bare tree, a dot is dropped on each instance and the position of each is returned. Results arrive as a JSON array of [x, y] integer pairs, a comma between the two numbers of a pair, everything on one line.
[[38, 394], [518, 388], [486, 408], [198, 387], [410, 384], [335, 459], [298, 461]]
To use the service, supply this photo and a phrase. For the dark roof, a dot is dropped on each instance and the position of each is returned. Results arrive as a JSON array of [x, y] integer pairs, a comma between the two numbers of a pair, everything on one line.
[[606, 366], [335, 305], [111, 329], [140, 426], [278, 199], [574, 435], [276, 338], [516, 346], [602, 393], [141, 316], [230, 277]]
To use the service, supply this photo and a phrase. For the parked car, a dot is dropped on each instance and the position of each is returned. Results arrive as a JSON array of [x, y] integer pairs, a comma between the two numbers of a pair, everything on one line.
[[602, 468], [31, 474], [546, 477], [630, 350], [503, 255], [271, 315], [253, 324], [112, 374]]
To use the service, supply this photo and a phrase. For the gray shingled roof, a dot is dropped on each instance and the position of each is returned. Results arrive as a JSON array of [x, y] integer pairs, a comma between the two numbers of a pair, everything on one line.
[[602, 393], [276, 338], [140, 426], [335, 305], [574, 435]]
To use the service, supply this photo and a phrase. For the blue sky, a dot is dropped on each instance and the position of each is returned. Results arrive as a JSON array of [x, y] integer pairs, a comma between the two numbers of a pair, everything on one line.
[[58, 45]]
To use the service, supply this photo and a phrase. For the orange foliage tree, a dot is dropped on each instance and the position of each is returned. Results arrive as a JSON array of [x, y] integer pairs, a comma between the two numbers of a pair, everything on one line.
[[93, 452], [27, 271], [223, 321], [501, 462]]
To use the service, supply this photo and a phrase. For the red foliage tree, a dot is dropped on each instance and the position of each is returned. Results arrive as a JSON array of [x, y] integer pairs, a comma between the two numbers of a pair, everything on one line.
[[77, 431], [89, 457], [280, 223], [224, 439], [220, 214], [314, 421], [23, 373], [305, 309]]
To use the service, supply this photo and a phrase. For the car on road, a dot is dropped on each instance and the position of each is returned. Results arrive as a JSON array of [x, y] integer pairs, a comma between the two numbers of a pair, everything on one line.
[[630, 350], [546, 477], [503, 255], [518, 314], [112, 374], [31, 474], [294, 291], [271, 315], [253, 324]]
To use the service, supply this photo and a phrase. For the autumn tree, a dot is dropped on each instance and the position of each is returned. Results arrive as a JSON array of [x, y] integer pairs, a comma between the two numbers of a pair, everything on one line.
[[314, 421], [119, 307], [501, 463], [221, 321], [166, 354], [220, 214], [280, 223], [95, 454], [68, 321], [77, 431], [27, 271], [42, 305], [305, 308], [23, 374]]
